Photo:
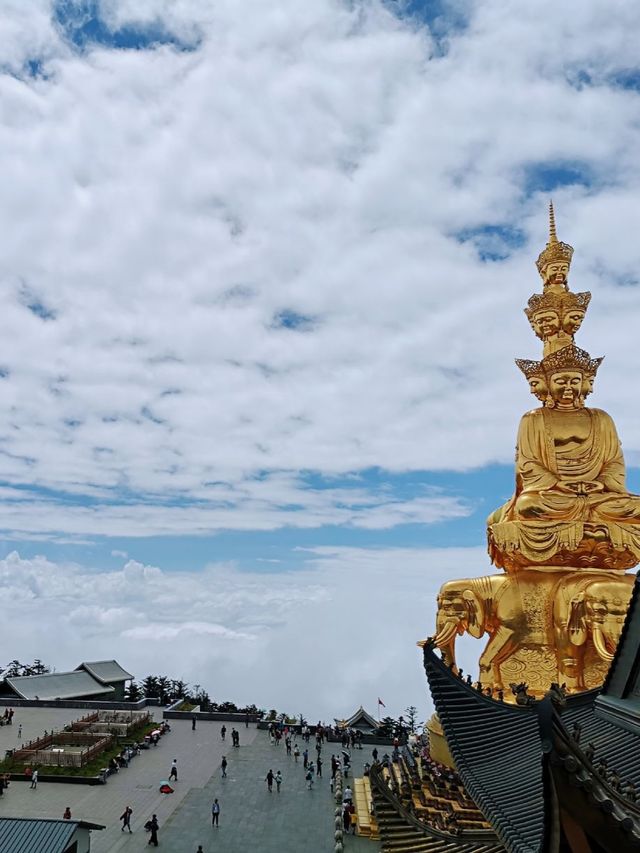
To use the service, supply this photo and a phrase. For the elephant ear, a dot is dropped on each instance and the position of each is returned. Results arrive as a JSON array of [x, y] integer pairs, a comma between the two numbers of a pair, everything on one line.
[[475, 613], [576, 620]]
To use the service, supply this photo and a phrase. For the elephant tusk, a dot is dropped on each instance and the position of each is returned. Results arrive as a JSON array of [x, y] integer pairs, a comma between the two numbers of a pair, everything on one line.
[[600, 643], [445, 635]]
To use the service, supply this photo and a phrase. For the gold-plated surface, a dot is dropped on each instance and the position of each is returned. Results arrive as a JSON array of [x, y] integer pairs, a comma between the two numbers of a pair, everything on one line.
[[438, 747], [570, 530]]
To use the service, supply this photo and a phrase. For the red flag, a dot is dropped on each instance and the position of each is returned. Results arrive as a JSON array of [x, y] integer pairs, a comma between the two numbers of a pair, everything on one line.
[[380, 702]]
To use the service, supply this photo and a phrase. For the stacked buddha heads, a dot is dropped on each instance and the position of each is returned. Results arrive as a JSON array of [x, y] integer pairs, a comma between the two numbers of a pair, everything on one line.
[[555, 316]]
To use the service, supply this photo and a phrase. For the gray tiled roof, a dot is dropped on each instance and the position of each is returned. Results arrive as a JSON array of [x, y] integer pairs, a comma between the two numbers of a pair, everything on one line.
[[58, 685], [361, 716], [106, 670], [26, 835], [496, 748]]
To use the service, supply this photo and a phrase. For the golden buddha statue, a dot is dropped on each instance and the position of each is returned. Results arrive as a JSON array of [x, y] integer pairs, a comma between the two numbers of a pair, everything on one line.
[[570, 498], [569, 531]]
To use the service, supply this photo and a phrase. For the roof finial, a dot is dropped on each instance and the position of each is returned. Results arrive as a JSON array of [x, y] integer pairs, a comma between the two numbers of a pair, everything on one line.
[[553, 238]]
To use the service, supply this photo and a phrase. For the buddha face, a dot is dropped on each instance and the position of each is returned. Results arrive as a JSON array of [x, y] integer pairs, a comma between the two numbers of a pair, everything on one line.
[[587, 384], [572, 320], [538, 387], [556, 274], [565, 388], [546, 323]]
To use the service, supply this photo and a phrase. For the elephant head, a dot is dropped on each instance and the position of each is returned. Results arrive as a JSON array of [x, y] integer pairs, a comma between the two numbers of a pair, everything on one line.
[[599, 610], [459, 610]]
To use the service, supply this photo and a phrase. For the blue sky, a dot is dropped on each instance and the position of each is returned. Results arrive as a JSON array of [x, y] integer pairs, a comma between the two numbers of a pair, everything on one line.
[[262, 279]]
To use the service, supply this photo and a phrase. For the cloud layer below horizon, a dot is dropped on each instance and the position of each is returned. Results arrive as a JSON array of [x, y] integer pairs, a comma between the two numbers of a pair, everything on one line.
[[319, 641]]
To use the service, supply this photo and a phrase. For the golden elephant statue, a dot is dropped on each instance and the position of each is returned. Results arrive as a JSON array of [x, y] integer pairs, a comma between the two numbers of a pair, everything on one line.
[[488, 605], [589, 606], [571, 621]]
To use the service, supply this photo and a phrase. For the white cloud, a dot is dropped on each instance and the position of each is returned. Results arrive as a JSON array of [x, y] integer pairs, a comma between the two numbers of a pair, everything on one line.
[[322, 640], [315, 158]]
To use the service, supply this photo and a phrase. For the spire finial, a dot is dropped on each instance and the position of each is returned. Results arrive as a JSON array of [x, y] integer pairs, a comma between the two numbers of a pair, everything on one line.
[[555, 251], [553, 237]]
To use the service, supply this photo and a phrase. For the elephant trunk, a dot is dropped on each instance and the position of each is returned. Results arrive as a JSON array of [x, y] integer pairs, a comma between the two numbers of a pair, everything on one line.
[[445, 634], [600, 643]]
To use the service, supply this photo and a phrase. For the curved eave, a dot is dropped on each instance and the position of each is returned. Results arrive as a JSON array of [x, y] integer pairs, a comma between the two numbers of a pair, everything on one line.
[[497, 751]]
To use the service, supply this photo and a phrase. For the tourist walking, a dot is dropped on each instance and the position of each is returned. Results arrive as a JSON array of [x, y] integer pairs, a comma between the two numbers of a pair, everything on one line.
[[34, 779], [193, 723], [269, 780], [278, 780], [309, 778], [305, 758], [19, 731], [223, 767], [125, 817], [174, 770], [215, 813], [153, 827], [319, 768], [296, 752], [223, 732]]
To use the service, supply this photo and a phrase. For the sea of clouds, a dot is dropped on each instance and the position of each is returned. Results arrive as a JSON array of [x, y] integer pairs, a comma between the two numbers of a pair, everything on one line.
[[321, 641]]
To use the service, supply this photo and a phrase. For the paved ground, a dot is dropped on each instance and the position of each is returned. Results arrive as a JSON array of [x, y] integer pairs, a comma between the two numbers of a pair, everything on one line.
[[35, 721], [251, 818]]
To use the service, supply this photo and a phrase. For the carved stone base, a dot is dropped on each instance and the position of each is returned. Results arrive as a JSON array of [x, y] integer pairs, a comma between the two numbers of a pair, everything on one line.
[[594, 551]]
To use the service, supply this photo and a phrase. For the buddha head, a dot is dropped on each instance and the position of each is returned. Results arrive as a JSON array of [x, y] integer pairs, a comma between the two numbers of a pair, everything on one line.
[[544, 311], [572, 320], [565, 389], [574, 308], [555, 276], [554, 261], [535, 377], [545, 323], [538, 387], [590, 376], [567, 372]]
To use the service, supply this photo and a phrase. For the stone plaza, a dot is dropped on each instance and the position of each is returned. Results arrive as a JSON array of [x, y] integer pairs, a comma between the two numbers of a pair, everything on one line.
[[250, 819]]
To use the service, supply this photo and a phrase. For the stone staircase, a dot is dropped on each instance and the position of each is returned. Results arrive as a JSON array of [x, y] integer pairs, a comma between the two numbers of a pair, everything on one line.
[[405, 825]]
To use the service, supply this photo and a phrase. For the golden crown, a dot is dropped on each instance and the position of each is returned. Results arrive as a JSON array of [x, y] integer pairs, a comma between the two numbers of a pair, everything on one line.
[[571, 358], [559, 302], [555, 250], [595, 364], [529, 367]]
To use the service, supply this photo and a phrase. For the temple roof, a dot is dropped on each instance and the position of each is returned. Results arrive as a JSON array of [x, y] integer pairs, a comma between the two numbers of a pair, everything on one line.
[[496, 748], [45, 835], [58, 685], [358, 718], [106, 671]]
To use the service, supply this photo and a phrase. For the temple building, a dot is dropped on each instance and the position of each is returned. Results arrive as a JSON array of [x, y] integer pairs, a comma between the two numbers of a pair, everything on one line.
[[100, 680]]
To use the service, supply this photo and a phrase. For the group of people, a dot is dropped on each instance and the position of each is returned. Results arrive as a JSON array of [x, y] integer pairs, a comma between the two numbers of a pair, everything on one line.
[[272, 777], [7, 718], [349, 816], [235, 735]]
